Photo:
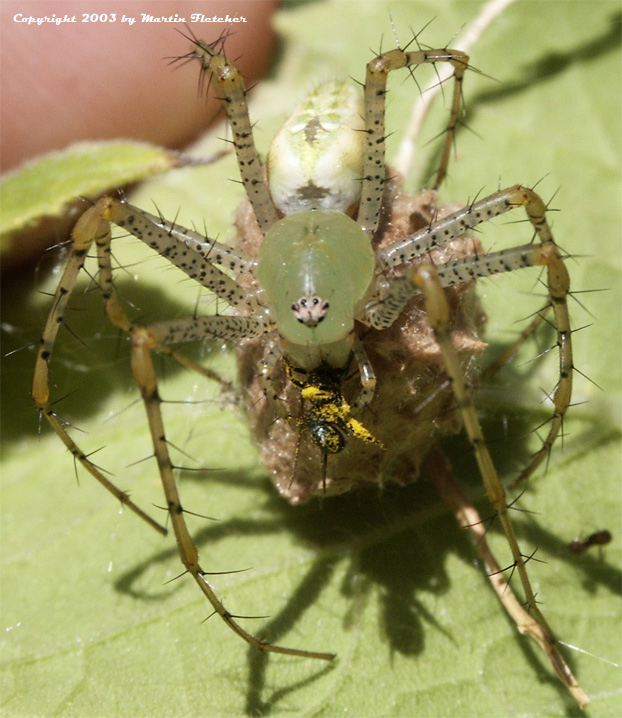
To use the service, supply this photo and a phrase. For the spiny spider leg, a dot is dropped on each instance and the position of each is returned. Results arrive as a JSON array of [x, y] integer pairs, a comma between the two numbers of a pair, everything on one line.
[[233, 98], [383, 313], [470, 216], [114, 310], [187, 250], [177, 331], [438, 312], [374, 172], [266, 374], [143, 343], [366, 373], [155, 337], [558, 283], [193, 254], [468, 518], [41, 380], [94, 225], [181, 247]]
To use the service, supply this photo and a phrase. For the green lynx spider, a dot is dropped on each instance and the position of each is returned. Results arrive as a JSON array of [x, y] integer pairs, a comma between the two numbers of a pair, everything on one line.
[[316, 274]]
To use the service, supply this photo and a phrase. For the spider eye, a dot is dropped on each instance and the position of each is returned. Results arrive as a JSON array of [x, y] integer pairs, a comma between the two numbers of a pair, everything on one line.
[[310, 311]]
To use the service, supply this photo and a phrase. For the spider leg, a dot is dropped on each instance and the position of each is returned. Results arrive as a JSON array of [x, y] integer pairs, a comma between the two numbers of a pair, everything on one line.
[[444, 230], [367, 374], [41, 380], [374, 174], [193, 254], [383, 312], [437, 309], [559, 285], [208, 250], [269, 361], [467, 516], [144, 342], [233, 98], [183, 249]]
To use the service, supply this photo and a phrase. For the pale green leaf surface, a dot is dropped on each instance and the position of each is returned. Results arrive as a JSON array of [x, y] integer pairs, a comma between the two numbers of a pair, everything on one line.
[[388, 582], [45, 186]]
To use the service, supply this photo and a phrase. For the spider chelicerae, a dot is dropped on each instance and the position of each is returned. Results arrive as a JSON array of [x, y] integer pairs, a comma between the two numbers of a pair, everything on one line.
[[354, 300]]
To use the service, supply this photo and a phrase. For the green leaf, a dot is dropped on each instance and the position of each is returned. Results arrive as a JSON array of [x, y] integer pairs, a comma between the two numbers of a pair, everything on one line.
[[386, 581], [45, 186]]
